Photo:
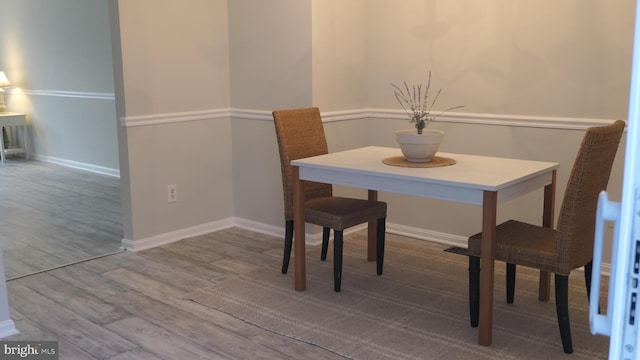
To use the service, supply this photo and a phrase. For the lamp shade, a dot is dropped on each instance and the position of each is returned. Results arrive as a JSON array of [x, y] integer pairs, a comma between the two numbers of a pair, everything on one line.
[[4, 82]]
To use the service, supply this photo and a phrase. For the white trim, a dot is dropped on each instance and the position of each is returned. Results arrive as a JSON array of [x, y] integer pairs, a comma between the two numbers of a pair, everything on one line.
[[314, 239], [332, 116], [259, 227], [77, 165], [252, 114], [524, 121], [475, 118], [310, 239], [173, 236], [168, 118], [8, 328], [391, 228], [547, 122], [277, 231], [63, 93], [427, 235], [203, 229]]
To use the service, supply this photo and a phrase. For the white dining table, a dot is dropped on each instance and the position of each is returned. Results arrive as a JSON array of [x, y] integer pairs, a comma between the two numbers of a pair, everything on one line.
[[477, 180]]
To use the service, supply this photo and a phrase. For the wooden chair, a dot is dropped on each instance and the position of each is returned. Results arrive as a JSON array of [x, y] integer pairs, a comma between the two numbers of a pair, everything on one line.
[[300, 134], [570, 245]]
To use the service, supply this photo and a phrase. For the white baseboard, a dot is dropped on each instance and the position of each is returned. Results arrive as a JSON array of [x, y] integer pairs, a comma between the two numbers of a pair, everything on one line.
[[427, 235], [397, 229], [277, 231], [8, 328], [77, 165], [310, 239], [198, 230], [173, 236], [259, 227]]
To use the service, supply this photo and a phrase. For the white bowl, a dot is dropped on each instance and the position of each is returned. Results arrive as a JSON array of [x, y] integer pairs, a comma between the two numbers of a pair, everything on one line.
[[419, 147]]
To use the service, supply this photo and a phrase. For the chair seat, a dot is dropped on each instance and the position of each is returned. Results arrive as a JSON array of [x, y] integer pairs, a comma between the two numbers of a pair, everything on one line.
[[522, 244], [340, 213]]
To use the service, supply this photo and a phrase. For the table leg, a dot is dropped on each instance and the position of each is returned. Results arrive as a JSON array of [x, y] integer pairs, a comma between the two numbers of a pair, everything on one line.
[[371, 231], [544, 287], [25, 143], [488, 254], [2, 154], [298, 233]]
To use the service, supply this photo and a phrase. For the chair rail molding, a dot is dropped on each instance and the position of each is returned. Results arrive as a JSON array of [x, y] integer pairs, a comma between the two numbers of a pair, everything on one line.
[[167, 118], [548, 122], [63, 93]]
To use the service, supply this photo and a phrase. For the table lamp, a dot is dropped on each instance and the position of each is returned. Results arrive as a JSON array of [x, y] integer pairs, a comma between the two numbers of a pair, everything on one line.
[[4, 82]]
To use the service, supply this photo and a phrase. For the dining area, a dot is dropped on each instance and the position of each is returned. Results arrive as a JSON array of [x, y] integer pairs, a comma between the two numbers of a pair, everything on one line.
[[485, 182], [532, 78]]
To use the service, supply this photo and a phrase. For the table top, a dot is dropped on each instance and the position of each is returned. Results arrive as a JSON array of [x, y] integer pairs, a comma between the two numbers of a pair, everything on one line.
[[10, 114], [462, 182], [13, 119]]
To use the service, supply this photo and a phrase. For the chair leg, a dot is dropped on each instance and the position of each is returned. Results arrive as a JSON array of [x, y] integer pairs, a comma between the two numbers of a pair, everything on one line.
[[337, 259], [511, 282], [380, 234], [325, 243], [562, 308], [474, 290], [288, 241]]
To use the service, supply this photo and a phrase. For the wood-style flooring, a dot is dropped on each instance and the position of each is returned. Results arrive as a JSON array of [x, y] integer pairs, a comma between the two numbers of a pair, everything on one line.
[[130, 305], [52, 215], [125, 305]]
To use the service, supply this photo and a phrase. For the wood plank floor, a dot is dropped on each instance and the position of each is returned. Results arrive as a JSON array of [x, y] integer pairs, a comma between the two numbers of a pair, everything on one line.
[[52, 215], [130, 305], [125, 305]]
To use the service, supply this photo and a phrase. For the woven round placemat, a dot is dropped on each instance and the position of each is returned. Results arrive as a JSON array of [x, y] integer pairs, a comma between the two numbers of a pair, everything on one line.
[[435, 162]]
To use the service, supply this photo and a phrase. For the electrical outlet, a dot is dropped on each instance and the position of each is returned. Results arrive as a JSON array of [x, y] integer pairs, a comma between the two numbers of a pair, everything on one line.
[[172, 193]]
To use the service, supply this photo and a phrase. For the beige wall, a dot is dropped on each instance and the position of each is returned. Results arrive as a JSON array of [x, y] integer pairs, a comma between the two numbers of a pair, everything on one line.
[[509, 63], [57, 54], [339, 45], [542, 58], [270, 53], [229, 63], [174, 76], [175, 55], [530, 75]]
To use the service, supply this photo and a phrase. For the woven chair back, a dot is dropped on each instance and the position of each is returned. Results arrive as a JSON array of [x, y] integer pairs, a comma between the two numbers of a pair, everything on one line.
[[300, 134], [589, 175]]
